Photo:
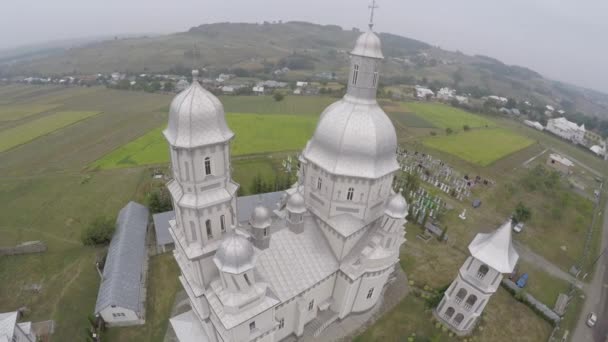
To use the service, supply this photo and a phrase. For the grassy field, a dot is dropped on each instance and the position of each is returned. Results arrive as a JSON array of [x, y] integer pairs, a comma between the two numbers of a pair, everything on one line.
[[255, 134], [480, 146], [10, 113], [410, 120], [298, 105], [29, 131], [541, 285], [163, 284], [444, 116]]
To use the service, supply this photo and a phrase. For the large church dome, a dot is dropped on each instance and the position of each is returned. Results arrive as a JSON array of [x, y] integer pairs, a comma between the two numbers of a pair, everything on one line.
[[196, 118], [354, 138]]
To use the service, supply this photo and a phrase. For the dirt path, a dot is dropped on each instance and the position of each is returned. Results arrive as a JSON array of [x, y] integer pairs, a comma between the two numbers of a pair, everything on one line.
[[52, 236], [66, 286]]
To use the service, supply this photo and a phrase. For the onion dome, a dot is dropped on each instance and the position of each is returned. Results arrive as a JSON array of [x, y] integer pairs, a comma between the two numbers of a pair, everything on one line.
[[368, 45], [196, 118], [397, 206], [295, 203], [496, 249], [234, 255], [260, 218], [354, 138]]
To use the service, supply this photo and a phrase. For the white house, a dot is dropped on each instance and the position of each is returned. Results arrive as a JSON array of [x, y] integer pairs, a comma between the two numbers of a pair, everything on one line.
[[550, 108], [492, 255], [446, 94], [258, 90], [181, 85], [301, 84], [567, 130], [423, 93], [11, 331], [498, 99], [326, 251], [534, 124], [462, 99], [227, 90], [599, 150], [121, 297]]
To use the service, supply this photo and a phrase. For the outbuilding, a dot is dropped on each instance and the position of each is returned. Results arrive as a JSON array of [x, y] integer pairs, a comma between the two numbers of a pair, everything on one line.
[[164, 242], [559, 163], [121, 297]]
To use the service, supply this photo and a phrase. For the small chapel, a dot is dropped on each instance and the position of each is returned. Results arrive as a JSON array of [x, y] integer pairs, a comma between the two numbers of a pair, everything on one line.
[[326, 251]]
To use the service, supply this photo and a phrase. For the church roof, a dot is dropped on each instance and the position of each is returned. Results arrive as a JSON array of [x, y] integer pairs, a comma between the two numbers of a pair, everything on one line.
[[354, 138], [295, 262], [260, 217], [235, 255], [188, 328], [368, 45], [8, 320], [296, 204], [121, 283], [161, 227], [246, 204], [196, 118], [496, 249]]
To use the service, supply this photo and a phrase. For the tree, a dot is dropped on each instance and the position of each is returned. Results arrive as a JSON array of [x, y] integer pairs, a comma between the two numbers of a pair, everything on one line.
[[466, 128], [511, 103], [99, 232], [522, 213], [449, 131], [169, 86], [159, 200], [278, 96], [410, 182]]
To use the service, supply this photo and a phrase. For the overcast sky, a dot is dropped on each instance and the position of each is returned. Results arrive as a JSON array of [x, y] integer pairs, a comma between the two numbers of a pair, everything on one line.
[[562, 39]]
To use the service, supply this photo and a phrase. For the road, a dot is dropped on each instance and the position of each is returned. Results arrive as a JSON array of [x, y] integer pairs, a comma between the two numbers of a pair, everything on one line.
[[596, 298]]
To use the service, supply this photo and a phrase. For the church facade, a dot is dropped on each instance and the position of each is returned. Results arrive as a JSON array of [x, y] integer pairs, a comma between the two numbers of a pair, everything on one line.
[[326, 251]]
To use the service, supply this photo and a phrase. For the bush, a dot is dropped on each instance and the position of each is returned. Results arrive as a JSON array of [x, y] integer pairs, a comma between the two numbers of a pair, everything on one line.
[[449, 131], [278, 97], [159, 200], [99, 232], [466, 127]]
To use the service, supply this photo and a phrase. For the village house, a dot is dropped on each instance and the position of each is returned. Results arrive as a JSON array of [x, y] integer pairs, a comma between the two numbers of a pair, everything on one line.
[[567, 130], [559, 163]]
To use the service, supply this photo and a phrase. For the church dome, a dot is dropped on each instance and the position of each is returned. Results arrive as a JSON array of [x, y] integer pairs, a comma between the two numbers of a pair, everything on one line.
[[397, 206], [295, 203], [368, 45], [261, 217], [196, 118], [355, 138], [235, 255]]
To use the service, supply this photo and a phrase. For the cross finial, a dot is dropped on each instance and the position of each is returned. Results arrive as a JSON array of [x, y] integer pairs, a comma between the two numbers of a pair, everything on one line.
[[372, 7]]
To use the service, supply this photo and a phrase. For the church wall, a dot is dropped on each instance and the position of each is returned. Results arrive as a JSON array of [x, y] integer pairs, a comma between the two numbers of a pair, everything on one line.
[[368, 282], [343, 294], [335, 240], [263, 322], [207, 269], [364, 86]]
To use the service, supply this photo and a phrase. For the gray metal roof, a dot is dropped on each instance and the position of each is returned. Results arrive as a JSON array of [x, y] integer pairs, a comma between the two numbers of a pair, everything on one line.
[[246, 204], [121, 283], [161, 227], [235, 255], [354, 138], [496, 249], [196, 118], [368, 45]]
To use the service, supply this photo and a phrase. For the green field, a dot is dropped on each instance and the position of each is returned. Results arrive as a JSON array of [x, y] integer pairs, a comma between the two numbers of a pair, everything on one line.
[[480, 146], [411, 120], [267, 105], [10, 113], [29, 131], [255, 133], [444, 116]]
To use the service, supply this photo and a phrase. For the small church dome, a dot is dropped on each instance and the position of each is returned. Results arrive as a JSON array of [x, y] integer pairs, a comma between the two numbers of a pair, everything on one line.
[[397, 206], [196, 118], [368, 45], [235, 255], [260, 218], [295, 203]]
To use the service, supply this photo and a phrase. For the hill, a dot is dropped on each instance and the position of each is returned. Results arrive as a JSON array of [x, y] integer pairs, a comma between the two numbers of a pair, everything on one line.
[[306, 49]]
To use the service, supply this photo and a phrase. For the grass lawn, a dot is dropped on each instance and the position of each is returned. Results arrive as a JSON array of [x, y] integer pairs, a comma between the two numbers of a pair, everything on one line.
[[541, 285], [15, 112], [29, 131], [255, 133], [246, 169], [444, 116], [410, 120], [163, 284], [480, 146], [312, 105], [55, 209]]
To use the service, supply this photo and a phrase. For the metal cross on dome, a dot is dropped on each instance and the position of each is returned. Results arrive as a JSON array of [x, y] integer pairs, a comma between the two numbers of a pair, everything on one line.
[[372, 7]]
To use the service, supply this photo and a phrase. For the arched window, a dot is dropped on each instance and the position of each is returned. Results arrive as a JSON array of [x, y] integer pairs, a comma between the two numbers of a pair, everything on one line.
[[223, 223], [449, 312], [462, 293], [458, 319], [207, 166], [483, 270], [470, 302], [193, 230], [355, 73], [350, 194], [319, 183], [208, 226], [375, 81]]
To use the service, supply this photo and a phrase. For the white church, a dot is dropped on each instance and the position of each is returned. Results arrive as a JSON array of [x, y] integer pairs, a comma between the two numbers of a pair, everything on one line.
[[324, 253]]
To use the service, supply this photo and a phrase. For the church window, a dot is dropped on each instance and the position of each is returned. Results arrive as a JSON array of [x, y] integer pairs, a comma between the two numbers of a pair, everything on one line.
[[375, 81], [207, 166], [355, 73], [209, 232], [483, 270], [350, 194], [265, 231], [252, 326], [193, 230], [319, 183], [223, 223], [247, 279], [311, 305], [281, 323], [370, 293]]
